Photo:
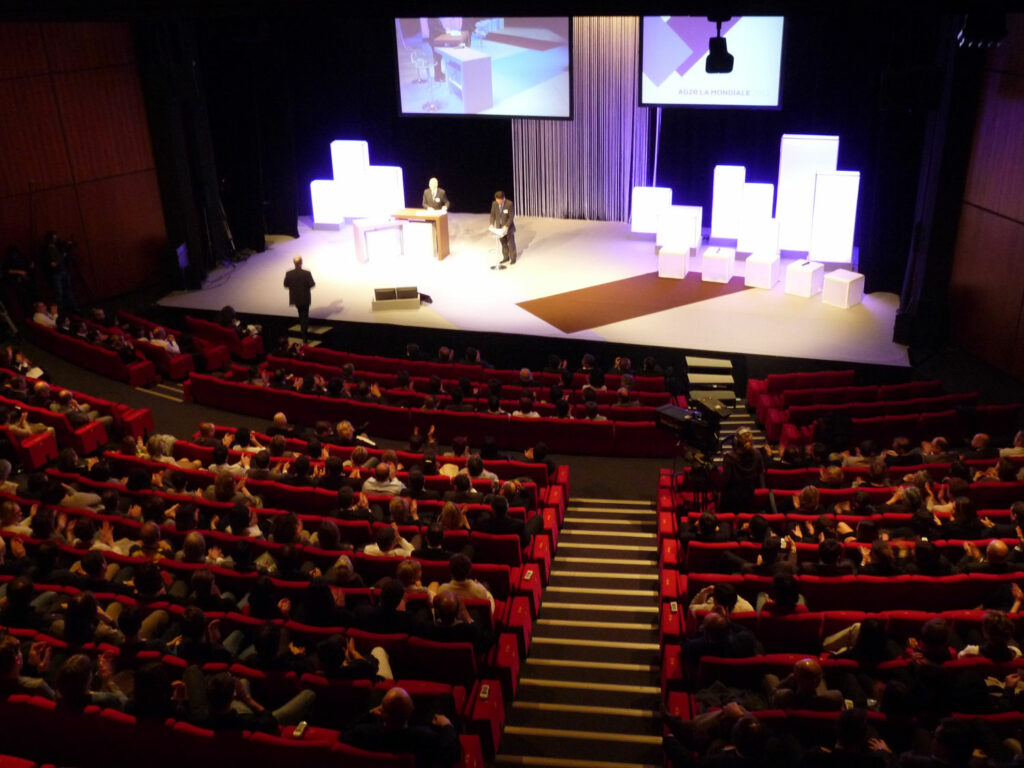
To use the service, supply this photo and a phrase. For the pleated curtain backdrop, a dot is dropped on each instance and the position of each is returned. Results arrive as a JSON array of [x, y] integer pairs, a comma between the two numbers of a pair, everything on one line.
[[584, 168]]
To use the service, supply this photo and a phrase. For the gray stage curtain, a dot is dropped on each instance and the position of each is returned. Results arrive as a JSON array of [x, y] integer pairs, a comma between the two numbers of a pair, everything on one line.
[[584, 168]]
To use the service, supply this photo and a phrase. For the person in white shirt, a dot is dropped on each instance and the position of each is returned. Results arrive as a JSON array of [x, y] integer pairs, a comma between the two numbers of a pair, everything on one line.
[[220, 462], [43, 316], [526, 408], [162, 339], [461, 567], [383, 481], [389, 543], [1018, 446], [720, 597]]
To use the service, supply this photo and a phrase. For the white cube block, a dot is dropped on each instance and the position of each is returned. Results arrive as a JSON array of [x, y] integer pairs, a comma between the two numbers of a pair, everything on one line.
[[327, 205], [725, 200], [647, 204], [349, 160], [673, 263], [762, 270], [804, 278], [418, 239], [718, 265], [843, 288], [679, 227]]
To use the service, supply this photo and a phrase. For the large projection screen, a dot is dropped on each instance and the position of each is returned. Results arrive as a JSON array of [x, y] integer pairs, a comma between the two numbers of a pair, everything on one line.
[[673, 54], [494, 66]]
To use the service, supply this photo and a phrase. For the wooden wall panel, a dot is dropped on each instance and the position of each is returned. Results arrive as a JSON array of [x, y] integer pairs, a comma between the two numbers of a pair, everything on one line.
[[108, 133], [996, 177], [15, 222], [21, 51], [72, 46], [987, 285], [33, 152], [124, 227]]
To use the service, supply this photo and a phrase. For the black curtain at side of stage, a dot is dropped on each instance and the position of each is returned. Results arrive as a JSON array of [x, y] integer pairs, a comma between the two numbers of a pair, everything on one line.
[[280, 89], [870, 80]]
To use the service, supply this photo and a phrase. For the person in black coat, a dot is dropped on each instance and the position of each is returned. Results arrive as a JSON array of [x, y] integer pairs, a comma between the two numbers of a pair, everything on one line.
[[502, 217], [434, 197], [498, 522], [299, 283]]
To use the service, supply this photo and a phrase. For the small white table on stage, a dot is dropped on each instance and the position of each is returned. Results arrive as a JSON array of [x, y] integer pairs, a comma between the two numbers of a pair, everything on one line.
[[805, 278], [717, 265], [843, 288], [381, 238], [762, 270]]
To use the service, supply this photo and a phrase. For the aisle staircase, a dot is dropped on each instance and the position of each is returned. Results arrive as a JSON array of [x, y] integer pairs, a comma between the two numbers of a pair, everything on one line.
[[589, 692]]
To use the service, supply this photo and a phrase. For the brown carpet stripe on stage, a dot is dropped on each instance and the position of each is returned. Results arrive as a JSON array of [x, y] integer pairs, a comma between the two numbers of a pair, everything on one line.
[[620, 300]]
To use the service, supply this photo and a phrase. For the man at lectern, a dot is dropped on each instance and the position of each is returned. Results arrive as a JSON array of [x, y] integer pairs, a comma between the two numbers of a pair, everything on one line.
[[502, 213], [434, 197]]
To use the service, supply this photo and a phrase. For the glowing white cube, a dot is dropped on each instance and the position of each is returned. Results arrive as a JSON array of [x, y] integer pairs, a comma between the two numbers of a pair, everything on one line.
[[835, 214], [725, 201], [679, 227], [718, 265], [804, 278], [327, 207], [673, 264], [843, 288], [349, 160], [756, 202], [762, 270], [647, 205], [801, 158], [384, 191]]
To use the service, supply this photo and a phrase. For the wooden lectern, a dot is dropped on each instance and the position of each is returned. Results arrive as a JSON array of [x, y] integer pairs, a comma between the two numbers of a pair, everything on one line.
[[438, 218]]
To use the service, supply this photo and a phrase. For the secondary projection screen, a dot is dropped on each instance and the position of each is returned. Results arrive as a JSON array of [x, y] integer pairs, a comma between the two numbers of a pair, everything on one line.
[[497, 66], [674, 50]]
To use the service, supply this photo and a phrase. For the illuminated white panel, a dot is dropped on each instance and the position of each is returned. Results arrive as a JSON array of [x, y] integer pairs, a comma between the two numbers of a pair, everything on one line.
[[801, 158], [384, 192], [679, 227], [647, 204], [754, 210], [327, 208], [349, 160], [835, 214], [725, 201]]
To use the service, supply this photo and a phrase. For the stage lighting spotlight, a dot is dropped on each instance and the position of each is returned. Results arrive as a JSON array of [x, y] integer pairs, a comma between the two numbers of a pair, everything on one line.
[[982, 29], [719, 60]]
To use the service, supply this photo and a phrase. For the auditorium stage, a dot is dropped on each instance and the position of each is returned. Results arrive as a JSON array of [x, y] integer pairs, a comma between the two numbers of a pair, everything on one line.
[[574, 279]]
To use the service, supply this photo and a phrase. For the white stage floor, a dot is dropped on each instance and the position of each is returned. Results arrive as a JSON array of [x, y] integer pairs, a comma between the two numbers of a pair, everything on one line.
[[555, 256]]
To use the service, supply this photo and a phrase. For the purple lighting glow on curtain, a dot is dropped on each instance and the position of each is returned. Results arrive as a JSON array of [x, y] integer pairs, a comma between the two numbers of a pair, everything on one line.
[[585, 168]]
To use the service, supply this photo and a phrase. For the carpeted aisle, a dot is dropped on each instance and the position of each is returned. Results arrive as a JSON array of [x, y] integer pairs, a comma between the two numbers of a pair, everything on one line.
[[589, 691]]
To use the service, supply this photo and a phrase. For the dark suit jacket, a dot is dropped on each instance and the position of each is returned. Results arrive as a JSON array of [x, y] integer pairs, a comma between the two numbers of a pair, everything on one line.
[[437, 202], [299, 282], [502, 215], [504, 525]]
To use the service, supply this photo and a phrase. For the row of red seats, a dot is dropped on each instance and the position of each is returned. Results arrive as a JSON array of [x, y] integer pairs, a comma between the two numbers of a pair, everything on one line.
[[173, 366], [780, 382], [801, 416], [504, 469], [140, 373], [212, 356], [788, 398], [245, 347], [37, 727], [561, 435], [474, 372], [795, 479], [418, 390]]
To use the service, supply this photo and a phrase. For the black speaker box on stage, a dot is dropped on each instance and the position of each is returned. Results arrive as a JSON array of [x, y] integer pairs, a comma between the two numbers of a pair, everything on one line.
[[395, 298]]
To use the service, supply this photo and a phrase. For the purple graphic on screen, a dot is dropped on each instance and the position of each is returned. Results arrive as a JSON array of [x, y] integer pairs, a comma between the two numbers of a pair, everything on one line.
[[678, 44]]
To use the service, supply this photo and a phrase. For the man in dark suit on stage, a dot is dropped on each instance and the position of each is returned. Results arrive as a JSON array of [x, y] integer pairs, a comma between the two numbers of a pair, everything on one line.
[[502, 213], [299, 283], [434, 197]]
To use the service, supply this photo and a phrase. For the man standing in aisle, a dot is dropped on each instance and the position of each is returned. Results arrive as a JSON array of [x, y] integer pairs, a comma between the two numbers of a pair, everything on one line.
[[502, 213], [434, 197], [299, 283]]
